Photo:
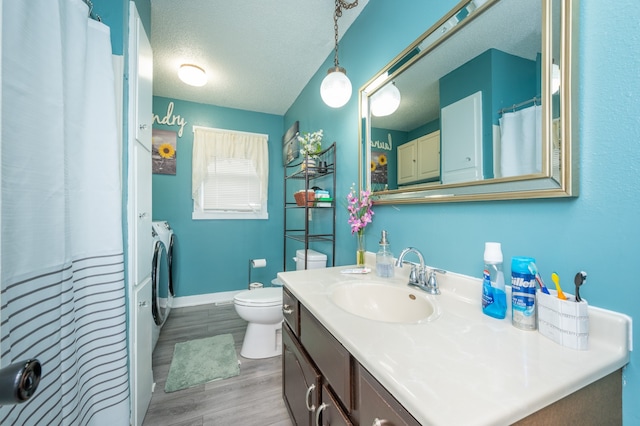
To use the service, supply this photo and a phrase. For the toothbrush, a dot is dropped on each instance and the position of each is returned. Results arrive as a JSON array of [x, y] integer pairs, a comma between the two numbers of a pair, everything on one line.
[[534, 270], [556, 280]]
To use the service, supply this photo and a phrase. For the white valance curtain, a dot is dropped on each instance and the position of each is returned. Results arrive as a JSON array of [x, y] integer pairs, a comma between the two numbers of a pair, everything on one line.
[[62, 276], [248, 149]]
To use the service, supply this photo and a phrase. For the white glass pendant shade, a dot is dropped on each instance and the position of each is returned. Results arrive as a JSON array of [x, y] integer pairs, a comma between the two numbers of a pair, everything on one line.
[[192, 75], [336, 88], [386, 101]]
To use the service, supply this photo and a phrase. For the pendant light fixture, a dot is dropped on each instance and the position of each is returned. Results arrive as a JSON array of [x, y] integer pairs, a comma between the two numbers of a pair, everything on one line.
[[336, 87]]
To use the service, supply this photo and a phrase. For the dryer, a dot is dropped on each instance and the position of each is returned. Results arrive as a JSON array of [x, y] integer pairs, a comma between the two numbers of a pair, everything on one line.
[[161, 275]]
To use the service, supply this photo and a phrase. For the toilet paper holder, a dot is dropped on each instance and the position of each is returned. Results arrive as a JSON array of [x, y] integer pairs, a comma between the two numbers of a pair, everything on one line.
[[255, 263]]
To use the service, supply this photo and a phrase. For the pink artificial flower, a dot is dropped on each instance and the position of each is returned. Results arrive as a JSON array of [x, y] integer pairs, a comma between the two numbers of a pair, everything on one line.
[[360, 212]]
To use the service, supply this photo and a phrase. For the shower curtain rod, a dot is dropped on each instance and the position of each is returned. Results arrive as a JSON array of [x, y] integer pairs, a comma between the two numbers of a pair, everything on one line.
[[91, 14], [513, 107]]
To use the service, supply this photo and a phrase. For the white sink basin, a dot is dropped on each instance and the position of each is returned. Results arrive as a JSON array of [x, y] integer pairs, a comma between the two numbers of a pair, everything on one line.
[[385, 302]]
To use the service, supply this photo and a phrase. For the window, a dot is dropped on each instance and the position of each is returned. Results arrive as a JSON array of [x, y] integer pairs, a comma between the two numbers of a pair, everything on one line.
[[229, 175]]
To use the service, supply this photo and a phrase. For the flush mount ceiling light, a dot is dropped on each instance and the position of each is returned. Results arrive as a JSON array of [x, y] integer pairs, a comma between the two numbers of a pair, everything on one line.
[[336, 87], [385, 101], [192, 75]]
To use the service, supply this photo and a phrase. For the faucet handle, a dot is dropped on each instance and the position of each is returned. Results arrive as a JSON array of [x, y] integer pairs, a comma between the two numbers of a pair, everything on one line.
[[432, 283], [413, 275]]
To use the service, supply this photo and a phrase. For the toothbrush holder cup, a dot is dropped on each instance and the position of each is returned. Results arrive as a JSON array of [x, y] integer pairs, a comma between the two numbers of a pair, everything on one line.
[[566, 322]]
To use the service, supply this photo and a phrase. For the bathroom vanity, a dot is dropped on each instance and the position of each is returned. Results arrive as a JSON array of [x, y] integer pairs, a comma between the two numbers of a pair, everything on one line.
[[454, 366]]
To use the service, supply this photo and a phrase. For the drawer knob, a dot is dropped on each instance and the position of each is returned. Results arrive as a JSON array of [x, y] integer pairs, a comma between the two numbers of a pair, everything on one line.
[[310, 407], [286, 309]]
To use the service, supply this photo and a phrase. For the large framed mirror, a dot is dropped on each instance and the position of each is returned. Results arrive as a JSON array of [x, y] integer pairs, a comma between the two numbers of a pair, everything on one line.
[[477, 108]]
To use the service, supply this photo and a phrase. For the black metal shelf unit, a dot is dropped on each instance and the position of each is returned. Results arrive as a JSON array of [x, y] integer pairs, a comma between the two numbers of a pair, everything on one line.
[[313, 223]]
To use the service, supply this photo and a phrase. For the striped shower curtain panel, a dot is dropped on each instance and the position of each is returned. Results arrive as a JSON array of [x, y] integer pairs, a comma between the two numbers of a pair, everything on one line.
[[62, 296]]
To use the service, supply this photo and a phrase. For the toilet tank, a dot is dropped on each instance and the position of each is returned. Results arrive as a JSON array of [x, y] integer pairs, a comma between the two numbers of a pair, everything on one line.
[[315, 259]]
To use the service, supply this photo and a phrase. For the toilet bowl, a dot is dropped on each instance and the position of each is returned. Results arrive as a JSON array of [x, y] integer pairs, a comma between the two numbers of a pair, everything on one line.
[[262, 309]]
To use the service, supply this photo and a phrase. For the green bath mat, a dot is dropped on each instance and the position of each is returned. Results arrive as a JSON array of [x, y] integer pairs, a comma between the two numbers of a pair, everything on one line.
[[199, 361]]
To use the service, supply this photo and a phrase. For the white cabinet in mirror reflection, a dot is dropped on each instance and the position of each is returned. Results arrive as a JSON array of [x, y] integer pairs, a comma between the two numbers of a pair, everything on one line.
[[462, 140], [419, 159]]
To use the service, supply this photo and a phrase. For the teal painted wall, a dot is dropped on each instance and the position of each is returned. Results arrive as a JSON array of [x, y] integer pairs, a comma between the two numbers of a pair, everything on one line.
[[513, 80], [213, 255], [114, 14], [598, 232]]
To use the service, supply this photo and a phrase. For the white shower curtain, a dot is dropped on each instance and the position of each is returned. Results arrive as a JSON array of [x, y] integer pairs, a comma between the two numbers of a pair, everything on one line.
[[521, 142], [62, 277]]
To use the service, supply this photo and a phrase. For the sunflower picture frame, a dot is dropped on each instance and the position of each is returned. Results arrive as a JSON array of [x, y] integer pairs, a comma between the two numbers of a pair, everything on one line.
[[379, 168], [164, 151]]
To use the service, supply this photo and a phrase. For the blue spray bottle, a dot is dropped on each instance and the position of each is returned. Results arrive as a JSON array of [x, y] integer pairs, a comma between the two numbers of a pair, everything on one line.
[[494, 298]]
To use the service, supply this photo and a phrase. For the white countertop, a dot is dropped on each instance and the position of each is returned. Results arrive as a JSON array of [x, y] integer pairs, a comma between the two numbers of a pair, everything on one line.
[[464, 367]]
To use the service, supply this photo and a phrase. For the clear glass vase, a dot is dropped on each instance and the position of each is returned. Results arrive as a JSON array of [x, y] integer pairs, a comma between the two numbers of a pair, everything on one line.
[[360, 249]]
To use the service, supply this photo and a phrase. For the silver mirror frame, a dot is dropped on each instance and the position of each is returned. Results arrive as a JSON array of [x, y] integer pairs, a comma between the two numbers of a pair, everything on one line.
[[541, 185]]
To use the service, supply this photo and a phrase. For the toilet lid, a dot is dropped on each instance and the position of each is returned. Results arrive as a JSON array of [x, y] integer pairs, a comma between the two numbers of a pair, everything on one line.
[[260, 297]]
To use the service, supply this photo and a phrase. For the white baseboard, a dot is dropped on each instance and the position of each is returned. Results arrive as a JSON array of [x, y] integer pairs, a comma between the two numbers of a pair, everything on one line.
[[221, 298]]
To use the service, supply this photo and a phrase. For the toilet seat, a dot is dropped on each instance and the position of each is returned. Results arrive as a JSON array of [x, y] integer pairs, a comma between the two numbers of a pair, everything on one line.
[[263, 297]]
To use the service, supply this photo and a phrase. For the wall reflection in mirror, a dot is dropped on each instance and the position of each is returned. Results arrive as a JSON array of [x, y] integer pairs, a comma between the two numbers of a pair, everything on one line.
[[472, 109]]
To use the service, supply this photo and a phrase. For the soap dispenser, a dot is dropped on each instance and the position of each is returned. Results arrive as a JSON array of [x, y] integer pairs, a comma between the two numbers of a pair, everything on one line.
[[384, 258]]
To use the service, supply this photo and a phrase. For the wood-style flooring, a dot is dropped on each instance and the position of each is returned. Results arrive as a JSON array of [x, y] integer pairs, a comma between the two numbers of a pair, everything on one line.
[[254, 398]]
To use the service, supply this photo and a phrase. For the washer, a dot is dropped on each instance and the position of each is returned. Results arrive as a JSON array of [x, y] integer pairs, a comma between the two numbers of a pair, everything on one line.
[[161, 275]]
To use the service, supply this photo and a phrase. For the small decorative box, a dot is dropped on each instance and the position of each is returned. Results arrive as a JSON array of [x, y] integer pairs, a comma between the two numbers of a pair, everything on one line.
[[564, 321]]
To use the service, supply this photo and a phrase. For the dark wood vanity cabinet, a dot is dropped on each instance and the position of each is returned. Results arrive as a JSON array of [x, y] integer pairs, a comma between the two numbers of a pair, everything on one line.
[[312, 363], [322, 384], [375, 405], [301, 385], [332, 359]]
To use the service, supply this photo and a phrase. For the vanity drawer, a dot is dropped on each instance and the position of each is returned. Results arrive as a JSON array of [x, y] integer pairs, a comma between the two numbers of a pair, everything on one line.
[[330, 356], [290, 311], [375, 405]]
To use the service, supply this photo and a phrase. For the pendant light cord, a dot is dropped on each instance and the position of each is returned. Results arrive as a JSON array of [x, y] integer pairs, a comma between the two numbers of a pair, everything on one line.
[[337, 14]]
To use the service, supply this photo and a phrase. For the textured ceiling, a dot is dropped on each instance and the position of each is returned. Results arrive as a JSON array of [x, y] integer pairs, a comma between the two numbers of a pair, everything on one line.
[[512, 26], [258, 54]]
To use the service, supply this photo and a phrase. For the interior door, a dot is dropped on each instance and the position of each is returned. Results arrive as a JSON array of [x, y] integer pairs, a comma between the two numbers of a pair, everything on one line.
[[142, 354], [139, 213], [462, 140]]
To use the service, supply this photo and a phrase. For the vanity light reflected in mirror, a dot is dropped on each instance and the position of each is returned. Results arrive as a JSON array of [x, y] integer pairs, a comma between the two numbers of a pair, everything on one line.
[[462, 86], [385, 101]]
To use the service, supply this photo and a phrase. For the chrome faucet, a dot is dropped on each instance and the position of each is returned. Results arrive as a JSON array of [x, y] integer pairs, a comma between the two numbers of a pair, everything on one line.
[[417, 275]]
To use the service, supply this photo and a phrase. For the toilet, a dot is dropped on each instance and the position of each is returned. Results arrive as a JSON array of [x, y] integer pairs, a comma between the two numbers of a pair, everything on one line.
[[262, 309]]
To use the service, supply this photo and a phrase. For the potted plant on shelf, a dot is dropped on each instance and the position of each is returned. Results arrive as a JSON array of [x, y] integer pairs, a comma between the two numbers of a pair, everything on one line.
[[310, 147]]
